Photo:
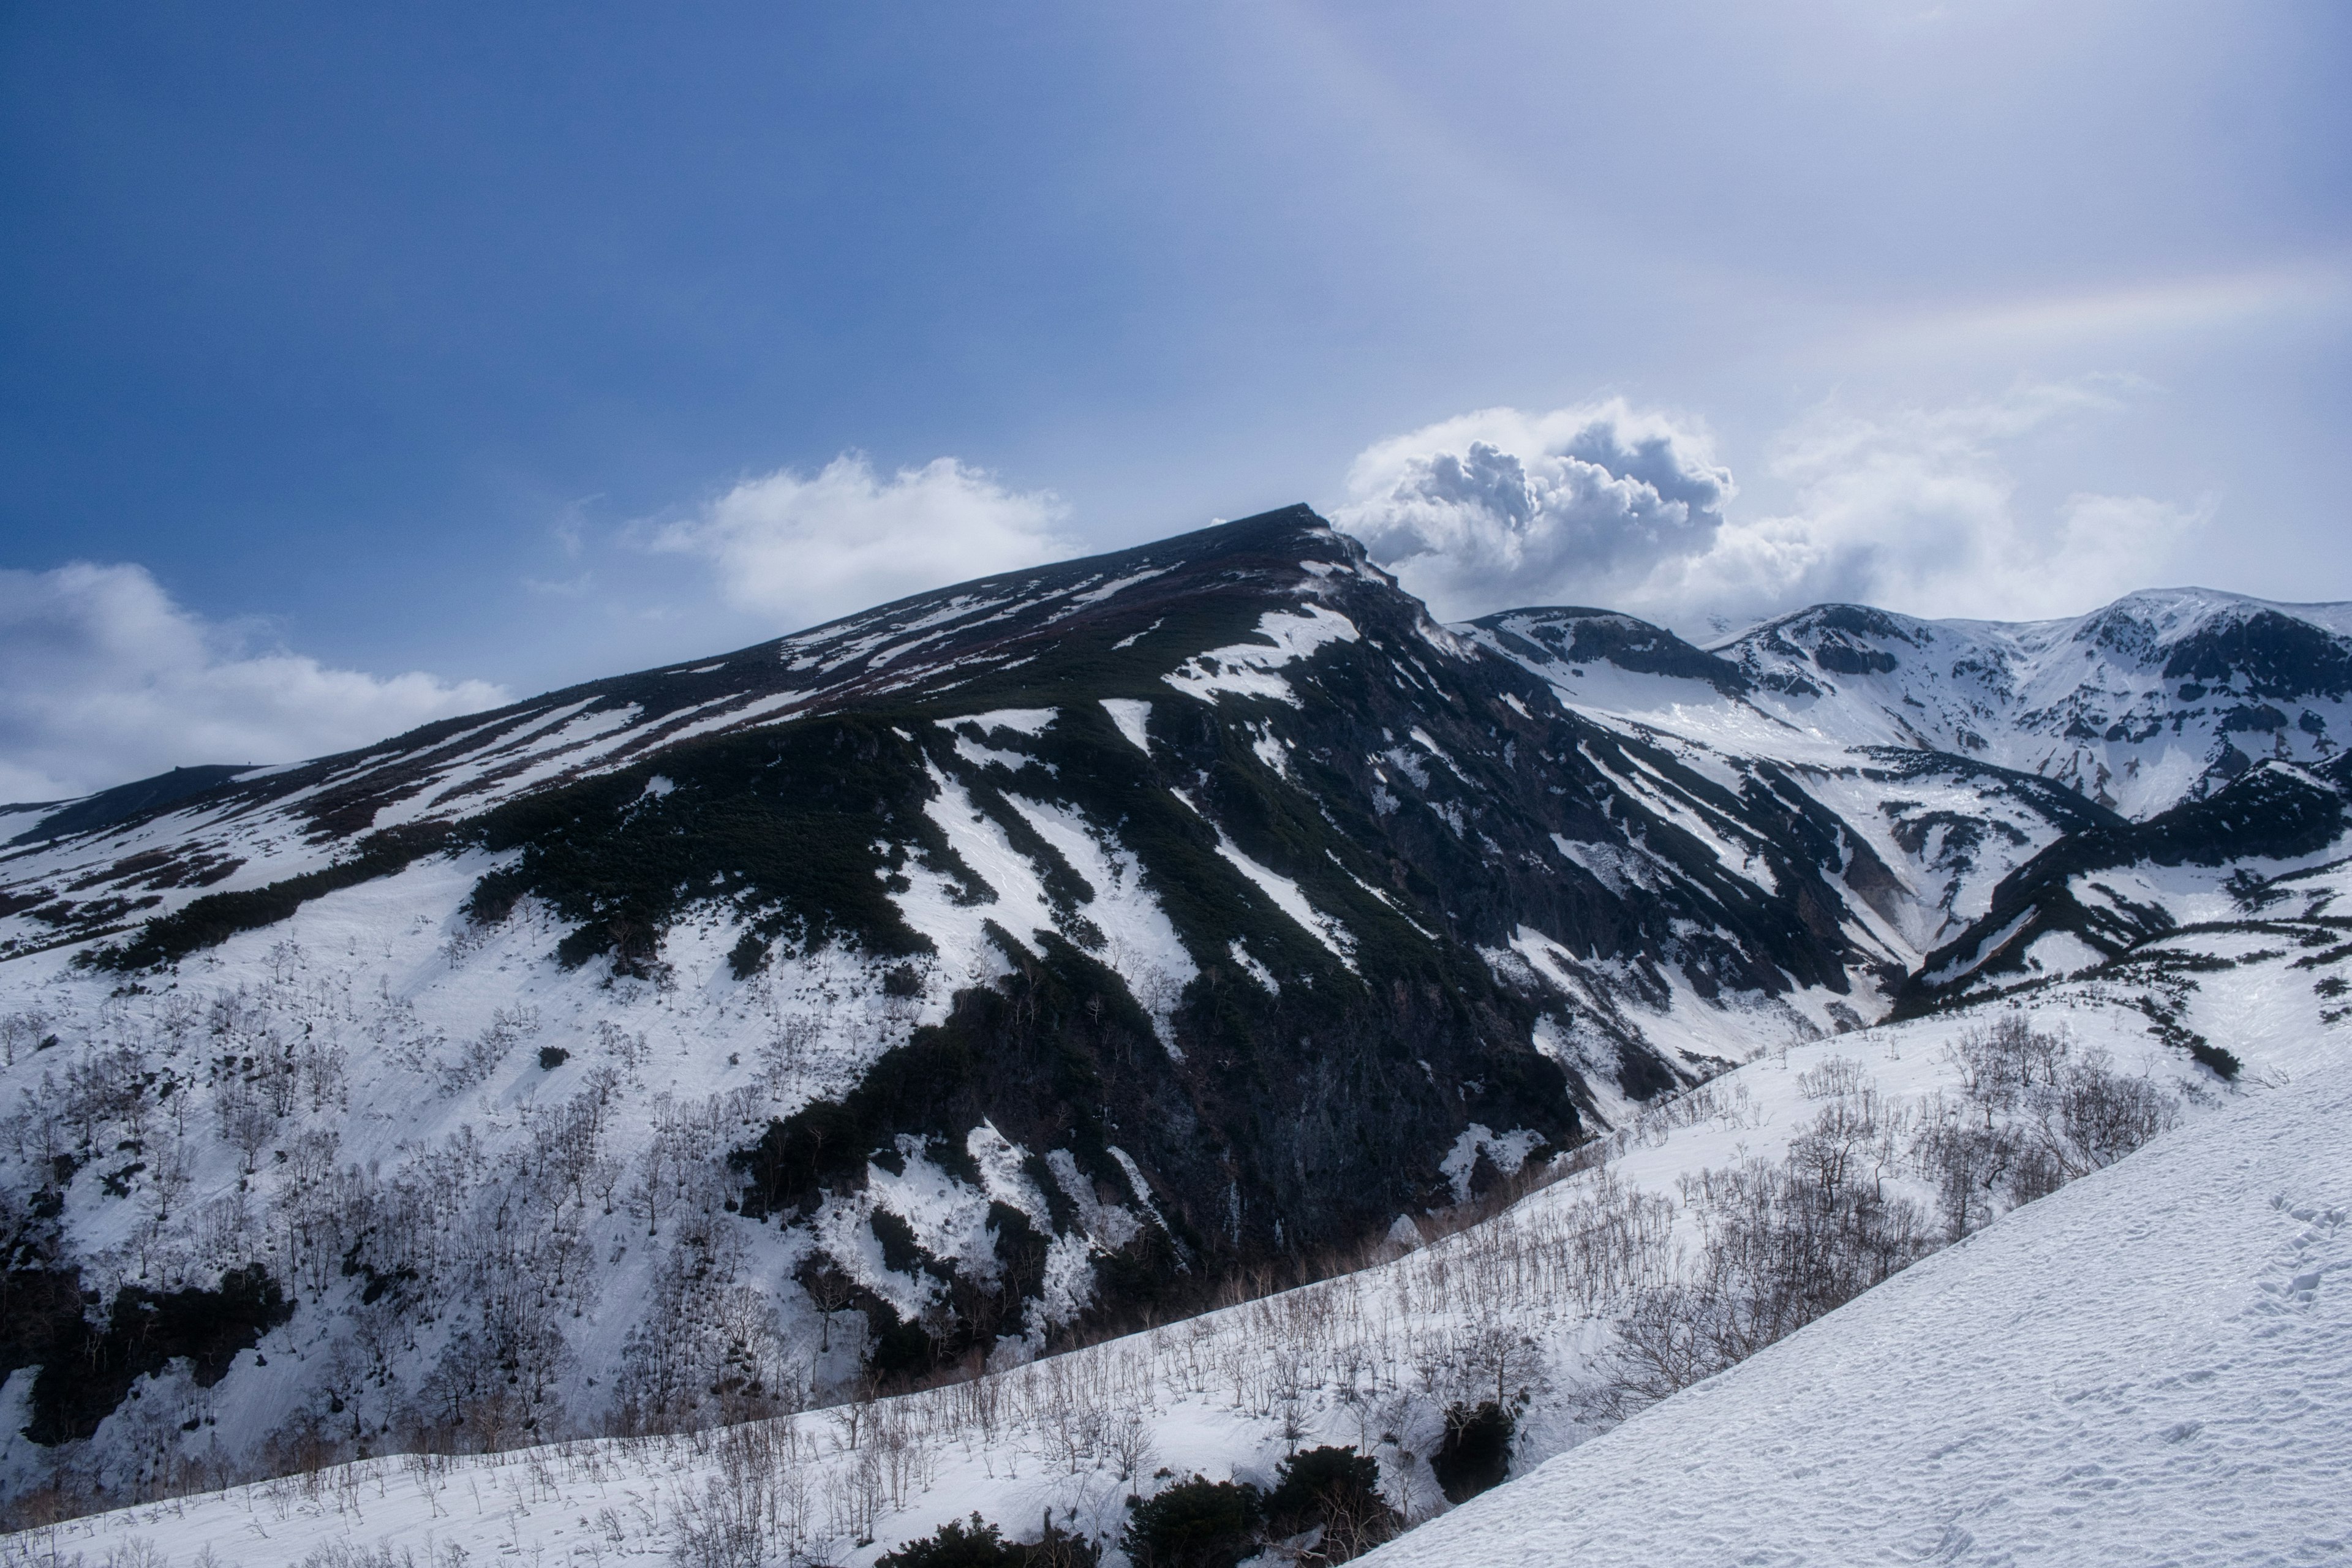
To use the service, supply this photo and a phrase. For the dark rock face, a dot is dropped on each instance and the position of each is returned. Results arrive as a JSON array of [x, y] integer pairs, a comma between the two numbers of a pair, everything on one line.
[[2275, 656], [1843, 658], [1575, 636]]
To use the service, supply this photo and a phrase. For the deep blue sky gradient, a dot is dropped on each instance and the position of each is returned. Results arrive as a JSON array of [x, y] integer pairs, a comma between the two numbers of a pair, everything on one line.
[[350, 317]]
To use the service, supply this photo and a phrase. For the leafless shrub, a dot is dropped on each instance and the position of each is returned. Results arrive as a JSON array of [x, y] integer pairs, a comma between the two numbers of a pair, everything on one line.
[[1781, 1245], [1837, 1076], [2035, 1112]]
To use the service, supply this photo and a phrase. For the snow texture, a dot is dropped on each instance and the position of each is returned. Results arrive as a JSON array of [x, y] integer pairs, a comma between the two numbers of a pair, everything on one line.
[[2151, 1365]]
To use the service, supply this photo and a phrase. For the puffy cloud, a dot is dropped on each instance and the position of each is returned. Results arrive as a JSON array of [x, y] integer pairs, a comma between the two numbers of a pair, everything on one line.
[[1912, 510], [103, 679], [808, 549], [1916, 510], [1500, 509]]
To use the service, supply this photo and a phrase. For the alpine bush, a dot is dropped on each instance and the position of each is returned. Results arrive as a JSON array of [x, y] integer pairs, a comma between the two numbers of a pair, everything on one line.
[[1197, 1524]]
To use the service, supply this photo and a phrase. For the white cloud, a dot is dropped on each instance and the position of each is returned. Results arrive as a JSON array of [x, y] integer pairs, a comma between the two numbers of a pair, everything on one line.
[[808, 549], [1501, 509], [1911, 510], [104, 680]]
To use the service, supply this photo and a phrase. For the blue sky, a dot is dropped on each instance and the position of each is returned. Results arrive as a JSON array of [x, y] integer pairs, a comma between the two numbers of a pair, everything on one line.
[[360, 363]]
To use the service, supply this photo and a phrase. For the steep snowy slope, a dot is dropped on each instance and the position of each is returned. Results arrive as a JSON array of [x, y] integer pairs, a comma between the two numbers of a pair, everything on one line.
[[2152, 1365]]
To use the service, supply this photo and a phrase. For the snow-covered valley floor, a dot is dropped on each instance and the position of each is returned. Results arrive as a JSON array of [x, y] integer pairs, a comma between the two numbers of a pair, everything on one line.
[[2152, 1365]]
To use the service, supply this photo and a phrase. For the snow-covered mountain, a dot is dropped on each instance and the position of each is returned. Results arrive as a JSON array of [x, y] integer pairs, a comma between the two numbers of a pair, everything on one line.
[[2009, 778], [995, 970], [2160, 698]]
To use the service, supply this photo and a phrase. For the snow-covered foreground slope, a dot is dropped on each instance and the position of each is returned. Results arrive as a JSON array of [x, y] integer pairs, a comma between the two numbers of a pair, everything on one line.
[[2152, 1365], [2092, 1311]]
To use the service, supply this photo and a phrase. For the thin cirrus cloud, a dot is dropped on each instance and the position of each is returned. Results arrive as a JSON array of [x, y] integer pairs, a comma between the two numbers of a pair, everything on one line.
[[801, 549], [1909, 509], [103, 678]]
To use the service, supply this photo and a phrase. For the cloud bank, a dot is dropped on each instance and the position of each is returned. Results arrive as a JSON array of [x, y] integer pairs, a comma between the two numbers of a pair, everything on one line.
[[805, 550], [1500, 509], [103, 678], [1912, 510]]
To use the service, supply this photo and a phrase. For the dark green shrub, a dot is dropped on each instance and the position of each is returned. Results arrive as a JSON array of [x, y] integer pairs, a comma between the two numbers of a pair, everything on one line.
[[1338, 1488], [89, 1371], [552, 1057], [747, 956], [2224, 1063], [983, 1545], [1194, 1524], [1476, 1452]]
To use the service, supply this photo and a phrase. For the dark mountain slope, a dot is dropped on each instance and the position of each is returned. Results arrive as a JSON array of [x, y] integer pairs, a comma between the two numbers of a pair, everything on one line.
[[2085, 887], [122, 803]]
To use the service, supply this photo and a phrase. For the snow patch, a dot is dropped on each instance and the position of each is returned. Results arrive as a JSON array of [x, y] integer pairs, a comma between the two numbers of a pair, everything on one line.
[[1507, 1151], [1132, 717], [1030, 722], [1253, 968], [1247, 669]]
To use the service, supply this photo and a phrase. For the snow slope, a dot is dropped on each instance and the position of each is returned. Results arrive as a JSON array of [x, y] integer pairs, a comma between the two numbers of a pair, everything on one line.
[[2152, 1365]]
